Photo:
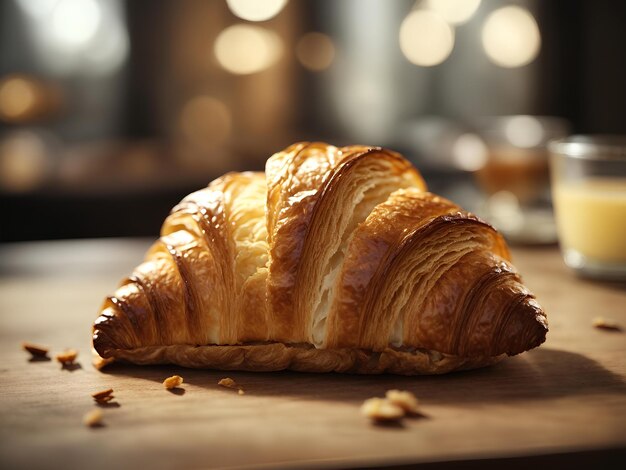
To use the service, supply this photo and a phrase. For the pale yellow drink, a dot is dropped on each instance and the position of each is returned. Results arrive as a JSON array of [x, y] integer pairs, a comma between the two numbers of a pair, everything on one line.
[[591, 218]]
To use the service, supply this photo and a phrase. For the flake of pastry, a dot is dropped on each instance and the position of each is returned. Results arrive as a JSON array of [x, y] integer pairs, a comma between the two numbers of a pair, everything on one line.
[[173, 382], [227, 382], [381, 409], [606, 324], [35, 350], [405, 400], [93, 418], [67, 357], [103, 396]]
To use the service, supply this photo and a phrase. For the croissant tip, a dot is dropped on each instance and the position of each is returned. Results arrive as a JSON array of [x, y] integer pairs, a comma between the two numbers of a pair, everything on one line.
[[102, 343], [541, 323], [535, 333], [538, 339]]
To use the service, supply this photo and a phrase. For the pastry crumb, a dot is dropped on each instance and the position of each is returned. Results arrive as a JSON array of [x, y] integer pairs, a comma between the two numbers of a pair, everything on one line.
[[35, 350], [381, 409], [100, 362], [67, 357], [396, 405], [173, 382], [103, 396], [93, 418], [227, 382], [606, 324], [405, 400]]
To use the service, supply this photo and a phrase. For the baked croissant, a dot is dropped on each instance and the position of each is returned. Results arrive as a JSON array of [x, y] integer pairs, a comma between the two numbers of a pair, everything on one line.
[[334, 259]]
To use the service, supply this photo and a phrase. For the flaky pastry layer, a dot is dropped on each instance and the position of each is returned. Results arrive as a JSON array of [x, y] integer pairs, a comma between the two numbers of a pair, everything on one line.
[[303, 358]]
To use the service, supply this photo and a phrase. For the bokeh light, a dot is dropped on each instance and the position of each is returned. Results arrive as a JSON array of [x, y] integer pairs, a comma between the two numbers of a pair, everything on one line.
[[205, 121], [505, 211], [78, 36], [425, 38], [315, 51], [75, 22], [23, 165], [244, 49], [524, 131], [511, 37], [256, 10], [18, 98], [37, 9], [469, 152], [112, 49], [454, 11]]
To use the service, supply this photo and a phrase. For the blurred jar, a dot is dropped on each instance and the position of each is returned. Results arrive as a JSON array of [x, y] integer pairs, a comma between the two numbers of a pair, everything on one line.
[[589, 191], [515, 175]]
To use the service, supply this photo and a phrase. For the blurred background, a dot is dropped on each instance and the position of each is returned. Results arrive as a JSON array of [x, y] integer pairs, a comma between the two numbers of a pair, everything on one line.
[[111, 111]]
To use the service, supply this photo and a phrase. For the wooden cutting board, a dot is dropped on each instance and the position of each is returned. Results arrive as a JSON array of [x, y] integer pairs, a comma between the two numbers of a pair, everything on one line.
[[567, 396]]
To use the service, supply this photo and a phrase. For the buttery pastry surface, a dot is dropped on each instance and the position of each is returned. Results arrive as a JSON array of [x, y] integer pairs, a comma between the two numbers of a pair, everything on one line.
[[334, 259]]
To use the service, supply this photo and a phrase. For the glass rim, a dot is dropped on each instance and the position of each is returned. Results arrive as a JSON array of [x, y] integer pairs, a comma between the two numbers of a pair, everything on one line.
[[510, 130], [591, 147], [499, 122]]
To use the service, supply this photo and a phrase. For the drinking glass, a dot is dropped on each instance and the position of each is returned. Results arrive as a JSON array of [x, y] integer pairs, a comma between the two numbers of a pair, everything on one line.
[[589, 193]]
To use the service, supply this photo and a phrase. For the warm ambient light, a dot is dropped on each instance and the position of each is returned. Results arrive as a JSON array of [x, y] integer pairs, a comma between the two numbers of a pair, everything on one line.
[[469, 152], [454, 11], [425, 38], [511, 37], [245, 49], [524, 131], [18, 98], [256, 10], [205, 121], [23, 164], [315, 51]]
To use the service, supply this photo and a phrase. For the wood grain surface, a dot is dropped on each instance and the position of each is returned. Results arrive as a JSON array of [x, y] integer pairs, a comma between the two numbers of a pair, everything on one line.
[[567, 396]]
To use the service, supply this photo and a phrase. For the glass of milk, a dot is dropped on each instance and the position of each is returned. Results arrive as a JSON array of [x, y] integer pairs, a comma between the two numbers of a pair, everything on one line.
[[589, 194]]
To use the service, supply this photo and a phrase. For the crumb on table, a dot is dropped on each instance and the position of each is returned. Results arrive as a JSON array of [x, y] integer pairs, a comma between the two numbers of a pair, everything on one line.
[[93, 418], [405, 400], [103, 396], [396, 405], [67, 357], [381, 409], [173, 382], [35, 350], [227, 382], [606, 324]]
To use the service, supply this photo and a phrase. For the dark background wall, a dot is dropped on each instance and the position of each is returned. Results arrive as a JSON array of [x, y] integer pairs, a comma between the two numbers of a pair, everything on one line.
[[114, 161]]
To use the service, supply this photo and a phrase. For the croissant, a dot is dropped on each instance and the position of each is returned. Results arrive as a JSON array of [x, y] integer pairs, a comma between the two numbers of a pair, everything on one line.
[[334, 259]]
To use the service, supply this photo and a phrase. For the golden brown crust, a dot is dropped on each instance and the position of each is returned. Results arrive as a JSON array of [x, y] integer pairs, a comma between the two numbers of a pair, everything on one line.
[[334, 259], [190, 289], [303, 358], [370, 251], [319, 192]]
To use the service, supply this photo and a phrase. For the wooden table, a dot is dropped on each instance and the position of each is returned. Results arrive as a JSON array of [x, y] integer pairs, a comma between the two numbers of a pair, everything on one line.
[[564, 402]]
